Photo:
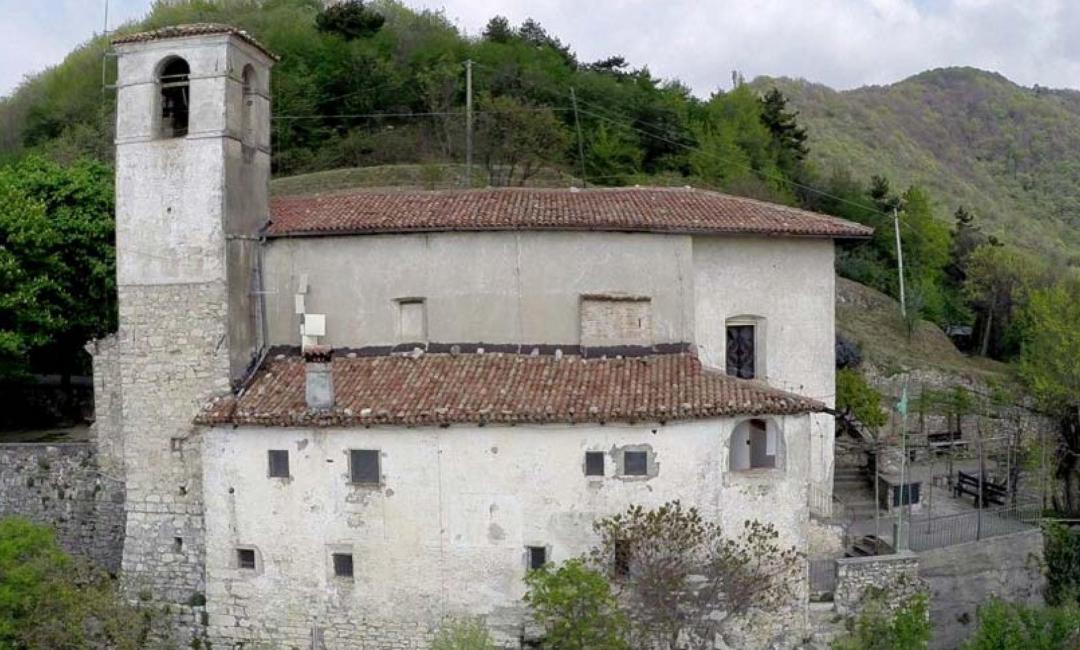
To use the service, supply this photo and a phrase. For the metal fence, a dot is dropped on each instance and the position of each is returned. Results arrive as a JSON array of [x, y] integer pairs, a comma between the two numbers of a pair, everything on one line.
[[822, 578], [937, 532]]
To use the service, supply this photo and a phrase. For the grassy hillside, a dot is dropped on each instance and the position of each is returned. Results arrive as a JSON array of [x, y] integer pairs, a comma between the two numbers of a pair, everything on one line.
[[976, 139], [872, 319]]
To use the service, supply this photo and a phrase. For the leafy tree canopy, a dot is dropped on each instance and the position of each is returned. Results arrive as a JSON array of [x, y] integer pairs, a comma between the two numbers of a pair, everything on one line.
[[350, 19]]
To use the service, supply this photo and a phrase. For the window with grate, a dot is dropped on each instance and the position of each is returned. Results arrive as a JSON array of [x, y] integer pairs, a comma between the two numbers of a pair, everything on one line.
[[343, 565], [364, 466], [537, 557], [635, 463], [740, 351], [594, 463], [245, 558], [278, 460]]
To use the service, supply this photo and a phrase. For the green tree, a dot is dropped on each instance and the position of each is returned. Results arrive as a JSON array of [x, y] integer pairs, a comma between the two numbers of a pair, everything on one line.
[[575, 606], [789, 139], [50, 600], [1050, 366], [878, 628], [856, 398], [612, 155], [350, 19], [498, 30], [57, 270], [515, 141], [1009, 626], [997, 279]]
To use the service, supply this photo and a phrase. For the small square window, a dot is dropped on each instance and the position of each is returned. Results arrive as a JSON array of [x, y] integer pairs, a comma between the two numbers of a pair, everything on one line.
[[594, 463], [279, 463], [537, 557], [635, 463], [176, 444], [343, 565], [364, 466], [245, 558]]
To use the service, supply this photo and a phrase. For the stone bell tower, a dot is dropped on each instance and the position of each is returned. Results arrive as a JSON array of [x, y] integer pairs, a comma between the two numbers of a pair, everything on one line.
[[192, 185]]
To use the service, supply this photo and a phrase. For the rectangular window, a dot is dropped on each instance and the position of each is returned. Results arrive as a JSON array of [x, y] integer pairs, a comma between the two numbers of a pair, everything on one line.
[[594, 463], [906, 494], [635, 463], [364, 466], [412, 320], [279, 463], [343, 565], [740, 351], [245, 558], [537, 557]]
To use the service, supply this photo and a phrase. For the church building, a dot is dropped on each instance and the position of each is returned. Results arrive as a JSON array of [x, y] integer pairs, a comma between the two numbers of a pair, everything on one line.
[[343, 418]]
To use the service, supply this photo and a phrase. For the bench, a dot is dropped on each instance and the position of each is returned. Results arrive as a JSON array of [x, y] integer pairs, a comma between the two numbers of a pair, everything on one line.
[[993, 493]]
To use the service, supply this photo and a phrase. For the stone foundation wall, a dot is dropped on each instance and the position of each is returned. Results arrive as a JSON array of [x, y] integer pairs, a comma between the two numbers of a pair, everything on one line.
[[60, 485], [964, 576]]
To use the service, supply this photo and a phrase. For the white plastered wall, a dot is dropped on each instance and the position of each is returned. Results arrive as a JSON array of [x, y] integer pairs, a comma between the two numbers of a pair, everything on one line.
[[446, 531]]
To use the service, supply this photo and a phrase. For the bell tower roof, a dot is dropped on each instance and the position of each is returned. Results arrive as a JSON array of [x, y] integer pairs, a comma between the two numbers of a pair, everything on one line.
[[193, 29]]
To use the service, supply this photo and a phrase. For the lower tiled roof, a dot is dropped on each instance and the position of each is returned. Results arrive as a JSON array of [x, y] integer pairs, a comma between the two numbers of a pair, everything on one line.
[[440, 389]]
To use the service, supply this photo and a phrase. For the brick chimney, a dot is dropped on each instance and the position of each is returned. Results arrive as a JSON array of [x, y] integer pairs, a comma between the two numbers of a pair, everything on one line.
[[318, 378]]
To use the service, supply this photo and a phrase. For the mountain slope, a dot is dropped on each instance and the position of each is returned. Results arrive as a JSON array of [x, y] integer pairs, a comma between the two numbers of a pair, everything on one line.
[[1011, 154]]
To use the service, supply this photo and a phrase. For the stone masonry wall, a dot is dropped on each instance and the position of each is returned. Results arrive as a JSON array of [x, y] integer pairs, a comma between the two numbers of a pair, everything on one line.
[[173, 358], [859, 578], [59, 485], [964, 576], [106, 431]]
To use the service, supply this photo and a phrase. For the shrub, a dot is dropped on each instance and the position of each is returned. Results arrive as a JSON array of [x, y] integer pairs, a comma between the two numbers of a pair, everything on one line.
[[463, 634], [857, 398], [576, 608], [51, 600], [1061, 553], [908, 628], [1009, 626]]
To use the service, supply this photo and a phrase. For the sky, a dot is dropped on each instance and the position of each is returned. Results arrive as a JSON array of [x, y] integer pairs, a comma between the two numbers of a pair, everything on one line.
[[842, 43]]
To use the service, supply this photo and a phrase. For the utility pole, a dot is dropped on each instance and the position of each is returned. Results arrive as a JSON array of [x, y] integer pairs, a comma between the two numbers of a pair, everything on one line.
[[899, 260], [468, 123], [905, 489], [580, 145]]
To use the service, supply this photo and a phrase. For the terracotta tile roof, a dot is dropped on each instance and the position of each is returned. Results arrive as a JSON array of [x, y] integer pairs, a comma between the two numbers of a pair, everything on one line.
[[671, 210], [435, 389], [192, 29]]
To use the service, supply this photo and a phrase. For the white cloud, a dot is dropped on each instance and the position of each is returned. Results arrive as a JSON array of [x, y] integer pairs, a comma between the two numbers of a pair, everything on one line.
[[844, 43]]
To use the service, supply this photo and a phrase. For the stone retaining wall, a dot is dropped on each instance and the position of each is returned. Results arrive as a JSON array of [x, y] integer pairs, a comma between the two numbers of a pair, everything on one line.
[[60, 485], [894, 577]]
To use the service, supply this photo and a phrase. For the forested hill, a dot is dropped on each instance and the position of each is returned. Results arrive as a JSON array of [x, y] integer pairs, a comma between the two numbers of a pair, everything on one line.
[[373, 87], [1010, 154]]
